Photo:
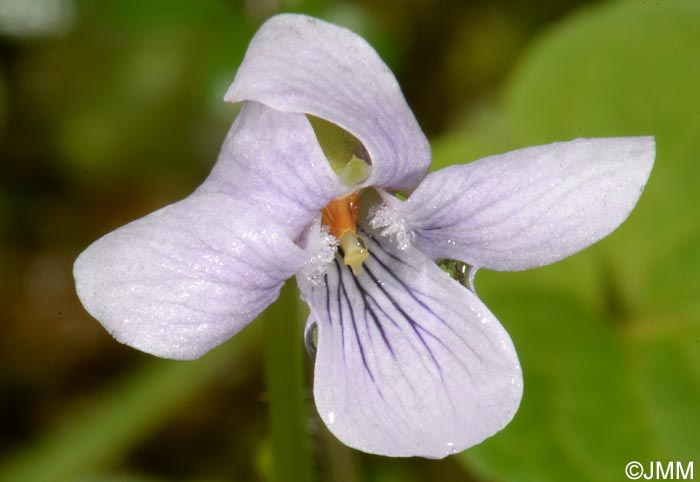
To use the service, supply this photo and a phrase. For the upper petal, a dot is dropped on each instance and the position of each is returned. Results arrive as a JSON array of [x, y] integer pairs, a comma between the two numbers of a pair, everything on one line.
[[529, 207], [272, 160], [408, 362], [187, 277], [300, 64]]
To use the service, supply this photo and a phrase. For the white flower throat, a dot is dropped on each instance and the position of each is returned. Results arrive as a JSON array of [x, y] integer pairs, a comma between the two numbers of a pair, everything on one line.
[[352, 164], [350, 161]]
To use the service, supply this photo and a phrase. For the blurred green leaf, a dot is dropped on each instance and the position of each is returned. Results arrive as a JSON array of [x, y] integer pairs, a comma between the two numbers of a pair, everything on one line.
[[481, 134], [617, 70], [608, 339], [597, 395]]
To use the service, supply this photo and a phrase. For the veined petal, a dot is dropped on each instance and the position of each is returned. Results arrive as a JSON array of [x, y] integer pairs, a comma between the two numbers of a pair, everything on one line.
[[272, 160], [529, 207], [409, 362], [187, 277], [301, 64]]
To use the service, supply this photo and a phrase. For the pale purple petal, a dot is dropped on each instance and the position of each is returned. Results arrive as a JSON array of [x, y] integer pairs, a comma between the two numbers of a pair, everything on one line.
[[187, 277], [529, 207], [305, 65], [272, 160], [409, 362]]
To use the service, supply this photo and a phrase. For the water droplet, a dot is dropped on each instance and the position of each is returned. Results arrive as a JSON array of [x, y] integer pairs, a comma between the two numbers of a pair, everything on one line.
[[451, 448], [311, 339], [331, 417]]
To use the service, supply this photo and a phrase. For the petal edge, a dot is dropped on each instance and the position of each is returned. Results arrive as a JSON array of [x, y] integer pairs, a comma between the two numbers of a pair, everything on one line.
[[184, 279], [300, 64], [408, 361], [532, 206]]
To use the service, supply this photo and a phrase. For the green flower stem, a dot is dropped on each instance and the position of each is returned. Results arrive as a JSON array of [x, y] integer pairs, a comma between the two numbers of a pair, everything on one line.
[[284, 356]]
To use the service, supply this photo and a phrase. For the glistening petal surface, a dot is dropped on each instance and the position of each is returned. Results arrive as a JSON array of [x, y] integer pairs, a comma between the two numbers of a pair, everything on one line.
[[272, 160], [301, 64], [187, 277], [529, 207], [409, 362]]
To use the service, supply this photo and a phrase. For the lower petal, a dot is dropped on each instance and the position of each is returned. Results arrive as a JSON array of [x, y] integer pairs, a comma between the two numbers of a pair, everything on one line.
[[409, 362], [187, 277]]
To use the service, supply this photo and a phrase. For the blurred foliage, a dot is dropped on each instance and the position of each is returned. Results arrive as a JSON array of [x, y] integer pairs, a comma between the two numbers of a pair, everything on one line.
[[609, 340], [285, 386], [108, 427], [3, 104], [111, 109]]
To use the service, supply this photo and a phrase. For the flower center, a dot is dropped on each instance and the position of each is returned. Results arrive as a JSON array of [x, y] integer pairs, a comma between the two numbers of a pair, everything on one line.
[[341, 217]]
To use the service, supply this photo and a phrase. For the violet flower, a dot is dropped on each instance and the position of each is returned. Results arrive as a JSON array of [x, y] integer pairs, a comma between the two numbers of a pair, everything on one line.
[[409, 361]]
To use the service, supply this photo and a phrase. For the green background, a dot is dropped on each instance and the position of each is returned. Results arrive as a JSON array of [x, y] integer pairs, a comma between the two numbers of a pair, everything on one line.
[[111, 109]]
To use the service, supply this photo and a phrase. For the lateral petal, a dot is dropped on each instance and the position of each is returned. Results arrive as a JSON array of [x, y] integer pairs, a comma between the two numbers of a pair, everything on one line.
[[529, 207], [272, 160], [301, 64], [409, 362], [184, 279]]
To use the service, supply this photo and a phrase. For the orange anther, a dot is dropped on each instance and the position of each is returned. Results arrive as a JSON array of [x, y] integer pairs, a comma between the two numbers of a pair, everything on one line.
[[341, 214]]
